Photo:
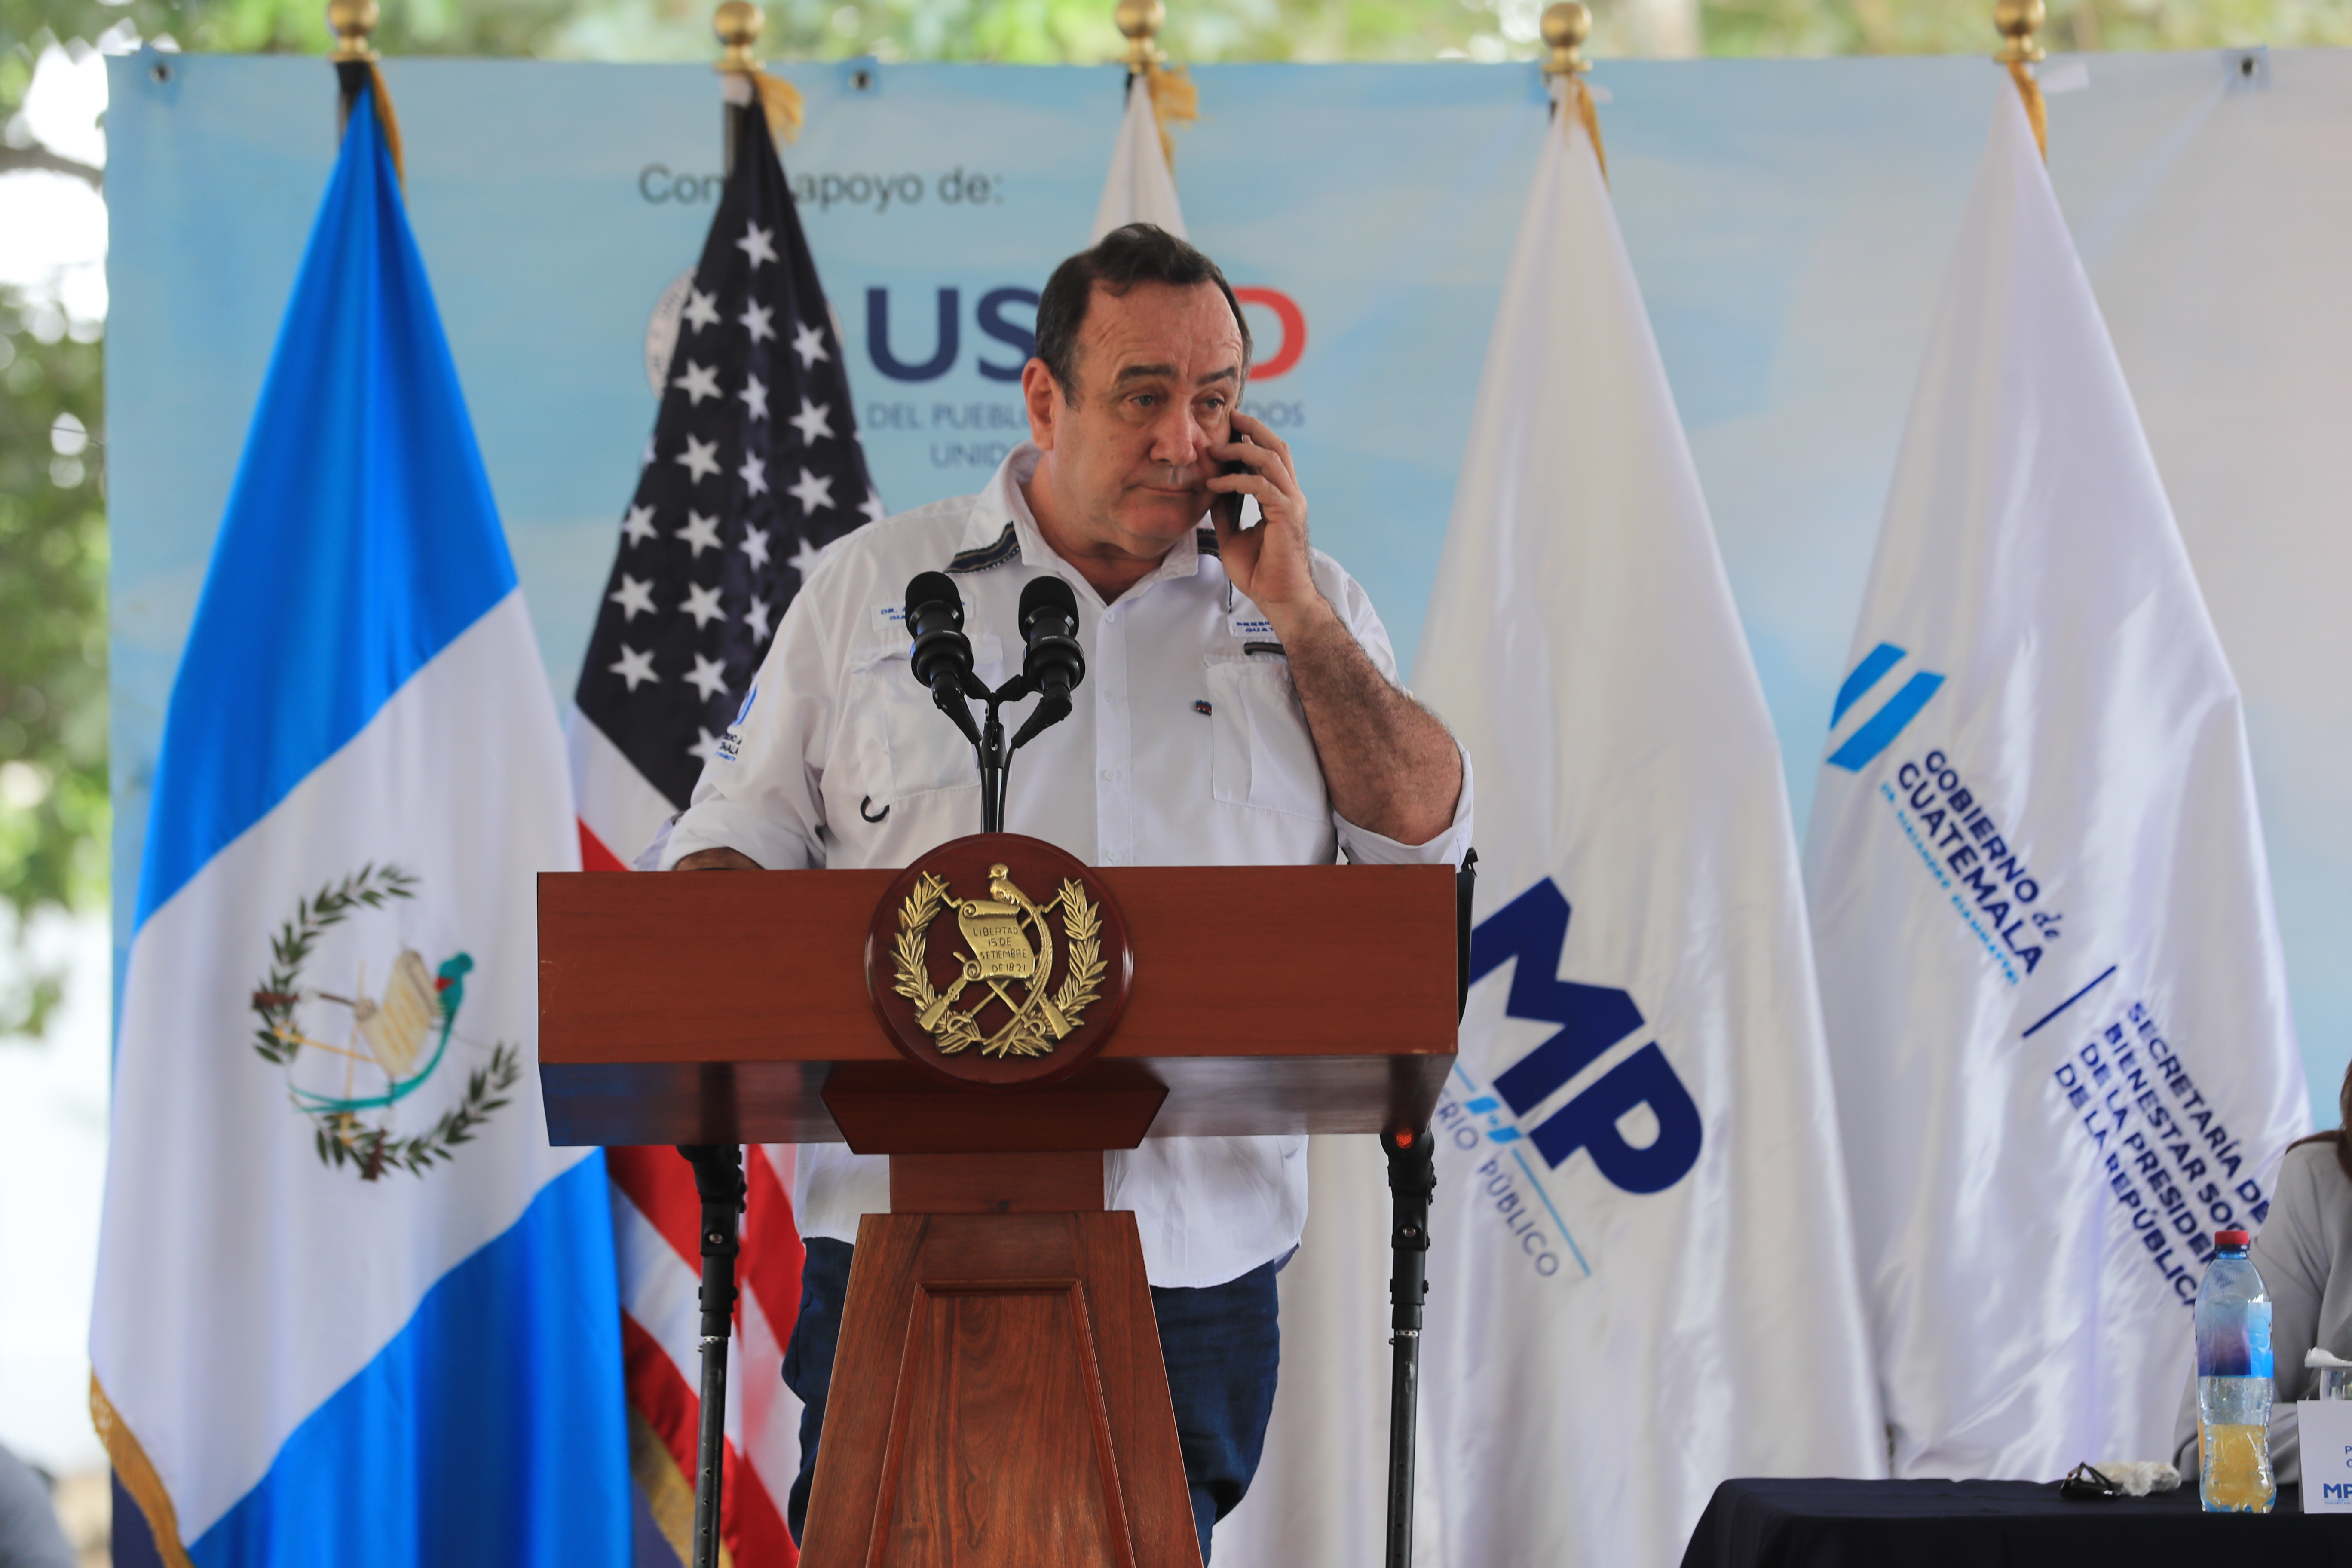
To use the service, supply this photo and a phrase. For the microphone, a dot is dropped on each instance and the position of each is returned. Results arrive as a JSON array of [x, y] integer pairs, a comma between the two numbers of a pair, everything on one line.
[[941, 657], [1055, 662], [1049, 624]]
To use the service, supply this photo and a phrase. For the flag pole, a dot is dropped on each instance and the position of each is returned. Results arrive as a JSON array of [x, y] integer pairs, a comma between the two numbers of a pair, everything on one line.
[[353, 21], [744, 84], [738, 25], [1174, 97], [2017, 21], [1139, 22], [1566, 25]]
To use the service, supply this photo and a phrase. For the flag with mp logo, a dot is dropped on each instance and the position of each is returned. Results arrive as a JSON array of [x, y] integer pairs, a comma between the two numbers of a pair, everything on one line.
[[1642, 1281], [2051, 970]]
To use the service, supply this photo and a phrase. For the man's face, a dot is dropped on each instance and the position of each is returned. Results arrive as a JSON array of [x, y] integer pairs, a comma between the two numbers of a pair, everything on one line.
[[1158, 373]]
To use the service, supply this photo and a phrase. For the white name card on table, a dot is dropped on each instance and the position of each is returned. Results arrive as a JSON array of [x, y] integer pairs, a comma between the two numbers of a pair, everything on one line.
[[2327, 1428]]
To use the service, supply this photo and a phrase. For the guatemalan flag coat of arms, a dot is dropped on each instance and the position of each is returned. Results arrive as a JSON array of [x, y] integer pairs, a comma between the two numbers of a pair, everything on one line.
[[351, 1307]]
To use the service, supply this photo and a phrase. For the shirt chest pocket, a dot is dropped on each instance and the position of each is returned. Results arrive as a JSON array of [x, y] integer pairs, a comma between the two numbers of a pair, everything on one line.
[[1262, 754], [904, 745]]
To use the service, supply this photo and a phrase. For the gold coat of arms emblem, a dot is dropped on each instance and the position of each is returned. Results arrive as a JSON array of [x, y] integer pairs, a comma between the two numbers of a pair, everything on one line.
[[1028, 972]]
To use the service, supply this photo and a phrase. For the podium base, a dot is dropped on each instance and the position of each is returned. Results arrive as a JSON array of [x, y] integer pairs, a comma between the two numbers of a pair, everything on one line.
[[999, 1396]]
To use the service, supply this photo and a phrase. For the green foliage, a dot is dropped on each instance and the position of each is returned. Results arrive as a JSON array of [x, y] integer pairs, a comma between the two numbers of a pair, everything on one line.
[[1965, 26], [1049, 31], [53, 800]]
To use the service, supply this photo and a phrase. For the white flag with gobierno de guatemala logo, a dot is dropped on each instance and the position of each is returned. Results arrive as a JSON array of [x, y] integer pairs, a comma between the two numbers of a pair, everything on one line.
[[2050, 966]]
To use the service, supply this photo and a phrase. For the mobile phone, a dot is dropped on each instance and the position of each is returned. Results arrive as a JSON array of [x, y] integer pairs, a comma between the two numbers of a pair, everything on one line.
[[1228, 503]]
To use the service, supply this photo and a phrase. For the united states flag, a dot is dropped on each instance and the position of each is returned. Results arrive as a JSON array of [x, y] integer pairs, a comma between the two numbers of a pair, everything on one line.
[[753, 468]]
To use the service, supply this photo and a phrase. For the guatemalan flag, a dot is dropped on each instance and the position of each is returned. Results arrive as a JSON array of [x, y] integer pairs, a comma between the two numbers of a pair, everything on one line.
[[1641, 1275], [2050, 967], [350, 1306]]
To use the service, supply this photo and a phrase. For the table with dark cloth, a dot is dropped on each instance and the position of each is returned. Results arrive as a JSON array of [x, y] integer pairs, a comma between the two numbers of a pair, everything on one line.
[[2013, 1524]]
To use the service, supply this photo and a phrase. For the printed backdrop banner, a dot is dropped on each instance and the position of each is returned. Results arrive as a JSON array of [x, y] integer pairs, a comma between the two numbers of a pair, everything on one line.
[[1789, 224]]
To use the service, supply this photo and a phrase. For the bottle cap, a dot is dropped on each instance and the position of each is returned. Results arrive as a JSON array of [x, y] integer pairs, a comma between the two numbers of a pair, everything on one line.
[[2233, 1238]]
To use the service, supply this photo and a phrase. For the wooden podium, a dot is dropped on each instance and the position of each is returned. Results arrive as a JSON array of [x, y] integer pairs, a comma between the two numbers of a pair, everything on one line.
[[998, 1397]]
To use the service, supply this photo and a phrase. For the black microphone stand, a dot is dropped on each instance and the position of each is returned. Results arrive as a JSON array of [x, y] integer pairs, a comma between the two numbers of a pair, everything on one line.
[[995, 756], [718, 1181], [1413, 1180], [993, 761], [1412, 1177], [940, 659]]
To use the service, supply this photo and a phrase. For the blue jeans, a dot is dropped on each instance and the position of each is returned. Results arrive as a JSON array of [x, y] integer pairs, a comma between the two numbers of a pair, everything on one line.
[[1222, 1344]]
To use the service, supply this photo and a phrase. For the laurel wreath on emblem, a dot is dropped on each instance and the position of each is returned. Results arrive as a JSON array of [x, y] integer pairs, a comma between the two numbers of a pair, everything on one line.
[[1041, 1019], [411, 1004]]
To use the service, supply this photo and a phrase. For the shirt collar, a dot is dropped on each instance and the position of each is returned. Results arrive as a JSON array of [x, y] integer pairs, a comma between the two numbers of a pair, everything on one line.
[[1002, 503]]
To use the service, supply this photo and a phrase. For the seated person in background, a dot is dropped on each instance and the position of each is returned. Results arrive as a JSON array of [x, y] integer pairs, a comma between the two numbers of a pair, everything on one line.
[[2303, 1253]]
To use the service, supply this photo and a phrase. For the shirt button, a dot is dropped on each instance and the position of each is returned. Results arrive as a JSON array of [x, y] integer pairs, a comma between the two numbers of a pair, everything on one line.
[[1110, 775]]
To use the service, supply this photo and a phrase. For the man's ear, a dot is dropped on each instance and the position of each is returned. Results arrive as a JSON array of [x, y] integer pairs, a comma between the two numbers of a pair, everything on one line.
[[1042, 396]]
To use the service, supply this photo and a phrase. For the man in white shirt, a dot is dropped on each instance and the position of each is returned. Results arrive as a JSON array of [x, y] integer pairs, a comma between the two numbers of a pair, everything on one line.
[[1239, 708]]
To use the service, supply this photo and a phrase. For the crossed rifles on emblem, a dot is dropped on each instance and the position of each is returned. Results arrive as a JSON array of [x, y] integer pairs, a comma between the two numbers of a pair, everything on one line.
[[997, 931]]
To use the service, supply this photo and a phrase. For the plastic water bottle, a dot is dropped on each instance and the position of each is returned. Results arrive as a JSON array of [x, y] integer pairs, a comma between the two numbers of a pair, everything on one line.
[[2233, 1380]]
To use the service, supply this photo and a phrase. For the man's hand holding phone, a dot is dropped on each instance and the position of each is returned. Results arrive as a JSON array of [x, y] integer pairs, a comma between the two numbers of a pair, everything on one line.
[[1268, 562]]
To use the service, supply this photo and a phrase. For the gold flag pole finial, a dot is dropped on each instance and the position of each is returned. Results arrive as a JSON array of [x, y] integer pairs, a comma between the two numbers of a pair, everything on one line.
[[2018, 21], [1139, 22], [738, 25], [738, 22], [1174, 97], [352, 22], [1566, 25]]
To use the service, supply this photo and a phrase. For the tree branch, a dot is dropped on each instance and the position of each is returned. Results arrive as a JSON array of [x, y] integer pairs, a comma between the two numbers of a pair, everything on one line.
[[13, 159]]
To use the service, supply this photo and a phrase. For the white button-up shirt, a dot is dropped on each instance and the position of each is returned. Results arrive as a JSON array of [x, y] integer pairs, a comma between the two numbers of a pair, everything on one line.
[[1186, 747]]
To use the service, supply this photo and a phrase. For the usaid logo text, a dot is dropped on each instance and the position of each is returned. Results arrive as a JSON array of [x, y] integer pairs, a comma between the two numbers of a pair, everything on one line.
[[1875, 733], [912, 338], [1533, 930]]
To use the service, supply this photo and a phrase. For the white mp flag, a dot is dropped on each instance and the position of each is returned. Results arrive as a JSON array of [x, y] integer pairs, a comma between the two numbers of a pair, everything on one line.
[[2050, 969], [1641, 1275]]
